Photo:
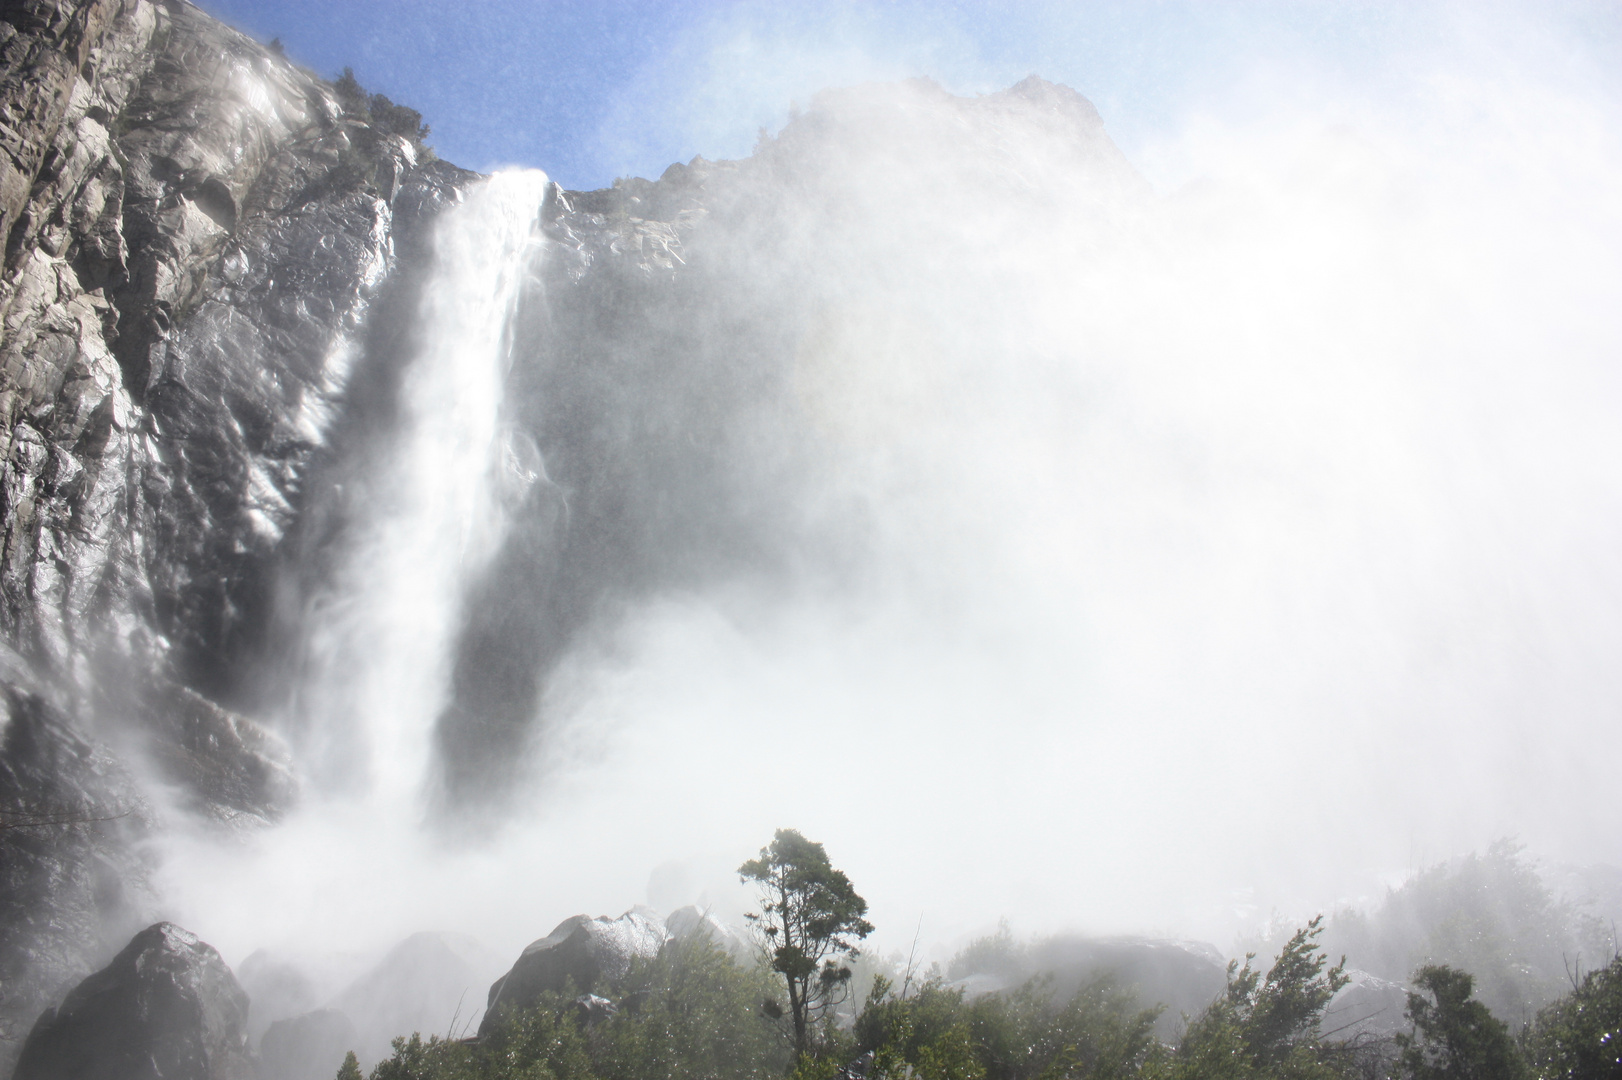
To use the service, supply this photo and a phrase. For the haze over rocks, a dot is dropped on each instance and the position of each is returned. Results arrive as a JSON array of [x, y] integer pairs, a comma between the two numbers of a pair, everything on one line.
[[926, 450]]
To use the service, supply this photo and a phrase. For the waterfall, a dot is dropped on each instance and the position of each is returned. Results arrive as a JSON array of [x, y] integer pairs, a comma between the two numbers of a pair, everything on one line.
[[427, 513]]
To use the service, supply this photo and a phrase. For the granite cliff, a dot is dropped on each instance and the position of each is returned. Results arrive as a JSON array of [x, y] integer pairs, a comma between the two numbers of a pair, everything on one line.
[[212, 279]]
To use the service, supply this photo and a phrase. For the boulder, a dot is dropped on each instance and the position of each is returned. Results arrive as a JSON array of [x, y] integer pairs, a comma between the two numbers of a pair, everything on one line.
[[1184, 976], [166, 1008], [308, 1047], [427, 983], [1366, 1006], [582, 953], [691, 921]]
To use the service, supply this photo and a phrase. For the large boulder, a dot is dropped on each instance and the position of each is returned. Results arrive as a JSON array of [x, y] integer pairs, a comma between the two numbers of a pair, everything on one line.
[[582, 954], [166, 1008]]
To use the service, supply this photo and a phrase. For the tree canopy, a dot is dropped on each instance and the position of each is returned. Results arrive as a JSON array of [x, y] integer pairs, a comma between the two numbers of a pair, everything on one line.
[[811, 918]]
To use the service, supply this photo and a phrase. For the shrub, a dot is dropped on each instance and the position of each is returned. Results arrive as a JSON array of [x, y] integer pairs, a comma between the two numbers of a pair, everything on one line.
[[1455, 1037], [1579, 1037]]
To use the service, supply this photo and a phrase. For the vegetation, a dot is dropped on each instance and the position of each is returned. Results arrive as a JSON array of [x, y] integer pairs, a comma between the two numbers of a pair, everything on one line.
[[1579, 1037], [1490, 914], [809, 915], [1266, 1027], [378, 110], [936, 1034], [697, 1012], [1454, 1036]]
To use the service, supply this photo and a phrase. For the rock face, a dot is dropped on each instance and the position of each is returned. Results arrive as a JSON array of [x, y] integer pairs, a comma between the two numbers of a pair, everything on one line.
[[1366, 1006], [71, 882], [582, 953], [167, 1008], [195, 235], [208, 295]]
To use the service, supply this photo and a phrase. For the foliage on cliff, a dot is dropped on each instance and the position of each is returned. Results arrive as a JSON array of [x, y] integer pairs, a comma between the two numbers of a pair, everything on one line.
[[378, 110]]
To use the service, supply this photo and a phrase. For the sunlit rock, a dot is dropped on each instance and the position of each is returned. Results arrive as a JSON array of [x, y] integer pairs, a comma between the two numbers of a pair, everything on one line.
[[582, 954]]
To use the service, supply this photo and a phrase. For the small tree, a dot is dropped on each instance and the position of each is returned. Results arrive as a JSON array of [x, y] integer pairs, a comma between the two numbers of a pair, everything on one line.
[[1265, 1026], [1455, 1038], [350, 1069], [811, 918], [352, 97]]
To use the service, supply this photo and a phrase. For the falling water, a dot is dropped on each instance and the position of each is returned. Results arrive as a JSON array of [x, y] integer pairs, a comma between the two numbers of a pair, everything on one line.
[[429, 516]]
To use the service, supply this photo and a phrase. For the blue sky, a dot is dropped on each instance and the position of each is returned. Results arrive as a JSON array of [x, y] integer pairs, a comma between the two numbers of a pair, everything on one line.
[[593, 90]]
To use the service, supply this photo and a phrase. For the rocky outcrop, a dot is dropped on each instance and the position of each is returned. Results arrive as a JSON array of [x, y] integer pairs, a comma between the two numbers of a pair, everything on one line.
[[583, 954], [1367, 1006], [166, 1008], [185, 287]]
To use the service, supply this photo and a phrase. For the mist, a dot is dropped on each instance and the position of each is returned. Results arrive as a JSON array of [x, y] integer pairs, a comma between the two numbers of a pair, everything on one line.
[[1099, 552]]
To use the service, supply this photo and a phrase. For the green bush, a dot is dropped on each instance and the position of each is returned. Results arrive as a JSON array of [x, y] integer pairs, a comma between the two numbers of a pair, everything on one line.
[[693, 1012], [1100, 1032], [1579, 1037], [377, 110], [1265, 1027], [1455, 1037]]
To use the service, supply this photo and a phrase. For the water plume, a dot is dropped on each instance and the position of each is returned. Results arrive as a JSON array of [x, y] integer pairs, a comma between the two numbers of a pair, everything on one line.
[[429, 515]]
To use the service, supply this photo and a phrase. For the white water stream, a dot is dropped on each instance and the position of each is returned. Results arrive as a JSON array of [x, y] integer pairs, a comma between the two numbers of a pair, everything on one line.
[[379, 645]]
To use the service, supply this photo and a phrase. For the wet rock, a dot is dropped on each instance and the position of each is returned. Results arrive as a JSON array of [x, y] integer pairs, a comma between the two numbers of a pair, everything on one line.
[[428, 983], [582, 954], [592, 1009], [166, 1008], [308, 1047], [195, 236], [73, 886], [692, 921], [1366, 1006]]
